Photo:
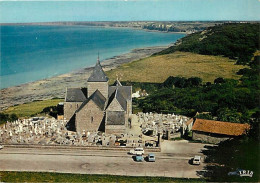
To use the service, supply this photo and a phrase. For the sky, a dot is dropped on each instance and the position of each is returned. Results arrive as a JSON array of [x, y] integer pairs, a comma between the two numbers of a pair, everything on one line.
[[128, 10]]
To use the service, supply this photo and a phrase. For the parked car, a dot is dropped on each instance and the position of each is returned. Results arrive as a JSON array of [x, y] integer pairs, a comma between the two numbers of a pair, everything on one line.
[[196, 160], [139, 158], [137, 151], [1, 147], [151, 157]]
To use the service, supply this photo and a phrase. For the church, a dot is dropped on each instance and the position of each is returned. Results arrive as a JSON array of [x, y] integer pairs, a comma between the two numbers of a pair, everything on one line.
[[99, 107]]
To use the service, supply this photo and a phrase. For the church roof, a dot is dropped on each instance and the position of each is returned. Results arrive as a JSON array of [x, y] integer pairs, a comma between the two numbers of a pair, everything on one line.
[[117, 83], [98, 75], [115, 118], [119, 97], [74, 95], [126, 91], [97, 98], [121, 100]]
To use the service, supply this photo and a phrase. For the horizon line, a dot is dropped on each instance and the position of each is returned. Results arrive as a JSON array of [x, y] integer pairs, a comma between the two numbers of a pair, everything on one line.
[[131, 21]]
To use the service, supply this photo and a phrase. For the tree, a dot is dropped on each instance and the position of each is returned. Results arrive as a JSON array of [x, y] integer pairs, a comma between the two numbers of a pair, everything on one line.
[[195, 81], [219, 80], [231, 115], [13, 117]]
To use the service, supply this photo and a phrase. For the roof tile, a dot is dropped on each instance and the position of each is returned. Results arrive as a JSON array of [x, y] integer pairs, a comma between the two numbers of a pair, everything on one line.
[[220, 127]]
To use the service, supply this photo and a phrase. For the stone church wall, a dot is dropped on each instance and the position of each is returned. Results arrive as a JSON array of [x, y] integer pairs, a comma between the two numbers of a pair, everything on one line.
[[89, 118], [101, 86], [129, 108], [70, 108], [115, 129]]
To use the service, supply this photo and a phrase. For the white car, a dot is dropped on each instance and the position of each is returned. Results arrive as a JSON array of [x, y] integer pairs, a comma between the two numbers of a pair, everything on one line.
[[196, 160], [1, 147], [137, 151]]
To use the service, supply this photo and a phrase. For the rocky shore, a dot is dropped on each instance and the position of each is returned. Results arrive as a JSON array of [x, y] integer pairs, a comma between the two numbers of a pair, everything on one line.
[[56, 86]]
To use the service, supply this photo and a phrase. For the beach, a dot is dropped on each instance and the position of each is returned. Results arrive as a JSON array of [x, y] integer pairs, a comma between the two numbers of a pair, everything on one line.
[[55, 87]]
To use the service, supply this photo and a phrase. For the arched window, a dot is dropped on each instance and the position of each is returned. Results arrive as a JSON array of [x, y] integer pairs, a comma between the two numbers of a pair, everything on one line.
[[92, 119]]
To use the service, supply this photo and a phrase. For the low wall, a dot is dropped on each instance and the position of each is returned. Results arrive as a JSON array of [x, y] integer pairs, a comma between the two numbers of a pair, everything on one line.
[[210, 138], [150, 149]]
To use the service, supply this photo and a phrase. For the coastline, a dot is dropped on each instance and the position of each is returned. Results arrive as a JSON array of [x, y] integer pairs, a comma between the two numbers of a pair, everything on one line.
[[102, 26], [55, 87]]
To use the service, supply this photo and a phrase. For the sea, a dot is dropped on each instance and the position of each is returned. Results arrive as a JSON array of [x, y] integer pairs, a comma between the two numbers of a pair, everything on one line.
[[34, 52]]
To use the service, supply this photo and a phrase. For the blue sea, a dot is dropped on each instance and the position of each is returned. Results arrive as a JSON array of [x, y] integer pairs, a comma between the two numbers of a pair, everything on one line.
[[30, 53]]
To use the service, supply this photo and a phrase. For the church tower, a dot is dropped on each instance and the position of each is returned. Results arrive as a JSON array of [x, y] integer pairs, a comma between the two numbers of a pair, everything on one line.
[[98, 81]]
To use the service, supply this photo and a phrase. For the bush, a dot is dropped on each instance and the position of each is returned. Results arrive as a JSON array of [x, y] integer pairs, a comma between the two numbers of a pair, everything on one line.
[[6, 117]]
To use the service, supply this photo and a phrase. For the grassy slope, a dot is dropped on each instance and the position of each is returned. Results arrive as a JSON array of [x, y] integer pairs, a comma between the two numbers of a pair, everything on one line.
[[238, 41], [61, 177], [154, 69], [32, 108], [158, 68]]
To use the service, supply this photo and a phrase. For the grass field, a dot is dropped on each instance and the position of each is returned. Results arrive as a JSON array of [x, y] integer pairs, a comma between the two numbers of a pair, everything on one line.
[[32, 108], [158, 68], [62, 177], [155, 69]]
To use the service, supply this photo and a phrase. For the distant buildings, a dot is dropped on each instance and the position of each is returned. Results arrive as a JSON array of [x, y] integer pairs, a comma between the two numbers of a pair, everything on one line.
[[100, 107]]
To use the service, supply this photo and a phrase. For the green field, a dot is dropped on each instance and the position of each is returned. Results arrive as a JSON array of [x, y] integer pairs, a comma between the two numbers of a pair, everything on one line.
[[32, 108], [62, 177], [156, 69]]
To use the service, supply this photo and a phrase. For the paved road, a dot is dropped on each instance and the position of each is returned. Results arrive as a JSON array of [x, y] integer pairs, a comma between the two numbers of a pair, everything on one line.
[[170, 162]]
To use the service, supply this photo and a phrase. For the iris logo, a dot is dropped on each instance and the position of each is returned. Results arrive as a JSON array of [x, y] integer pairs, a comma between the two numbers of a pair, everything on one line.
[[242, 173], [246, 173]]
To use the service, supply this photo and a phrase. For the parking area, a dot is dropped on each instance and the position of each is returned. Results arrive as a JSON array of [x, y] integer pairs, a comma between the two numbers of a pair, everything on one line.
[[171, 162]]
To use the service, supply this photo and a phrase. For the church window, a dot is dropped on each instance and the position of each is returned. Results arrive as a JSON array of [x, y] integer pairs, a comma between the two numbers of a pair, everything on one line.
[[92, 119]]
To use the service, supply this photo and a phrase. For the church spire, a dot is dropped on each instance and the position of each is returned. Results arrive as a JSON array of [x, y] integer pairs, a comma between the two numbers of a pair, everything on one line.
[[98, 75], [98, 62]]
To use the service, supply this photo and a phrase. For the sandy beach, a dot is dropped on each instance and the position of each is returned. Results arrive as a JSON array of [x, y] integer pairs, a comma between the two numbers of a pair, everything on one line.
[[56, 86]]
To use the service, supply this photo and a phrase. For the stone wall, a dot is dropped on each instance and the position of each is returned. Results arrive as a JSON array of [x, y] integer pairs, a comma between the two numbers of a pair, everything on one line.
[[70, 108], [209, 137], [119, 148], [129, 107], [89, 118], [115, 129], [129, 104], [101, 86]]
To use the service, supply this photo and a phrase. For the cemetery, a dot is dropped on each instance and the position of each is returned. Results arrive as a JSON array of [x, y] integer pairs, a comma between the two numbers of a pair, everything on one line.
[[145, 130]]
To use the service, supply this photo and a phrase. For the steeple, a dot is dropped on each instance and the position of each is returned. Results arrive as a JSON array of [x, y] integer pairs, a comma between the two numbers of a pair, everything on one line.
[[98, 62], [98, 75]]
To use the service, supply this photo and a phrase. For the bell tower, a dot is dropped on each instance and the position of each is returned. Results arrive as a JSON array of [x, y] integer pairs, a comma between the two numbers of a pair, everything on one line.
[[98, 81]]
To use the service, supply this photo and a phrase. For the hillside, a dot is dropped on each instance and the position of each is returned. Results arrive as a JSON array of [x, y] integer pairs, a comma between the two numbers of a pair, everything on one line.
[[236, 41], [157, 69]]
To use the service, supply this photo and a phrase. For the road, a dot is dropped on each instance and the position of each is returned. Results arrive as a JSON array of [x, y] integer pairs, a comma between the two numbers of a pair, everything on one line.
[[171, 162]]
